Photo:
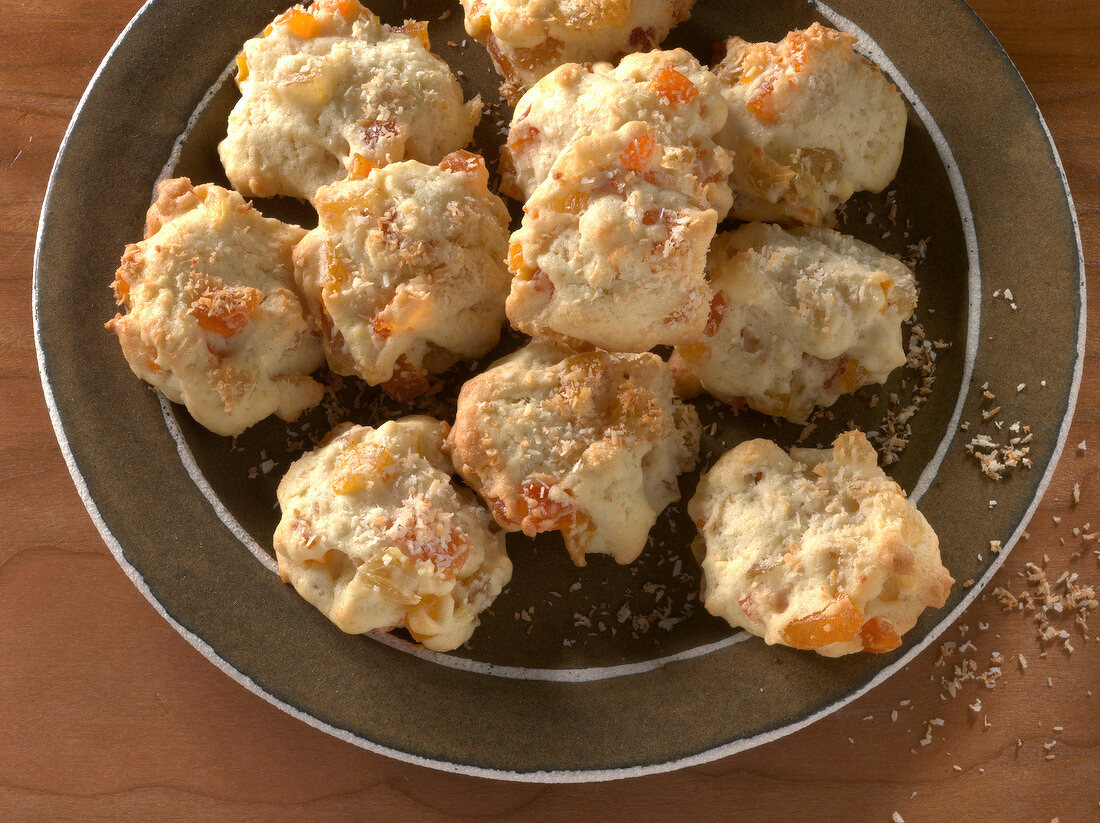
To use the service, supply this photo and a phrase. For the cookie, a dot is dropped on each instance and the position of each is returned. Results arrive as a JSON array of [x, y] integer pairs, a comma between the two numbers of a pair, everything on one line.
[[613, 246], [405, 272], [816, 550], [329, 87], [376, 535], [586, 444], [810, 123], [668, 90], [212, 317], [528, 39], [797, 319]]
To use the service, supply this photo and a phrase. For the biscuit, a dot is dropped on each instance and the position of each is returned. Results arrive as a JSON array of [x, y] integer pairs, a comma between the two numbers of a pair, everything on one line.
[[797, 319], [405, 272], [613, 246], [375, 535], [668, 90], [327, 88], [528, 39], [817, 550], [810, 123], [586, 444], [212, 319]]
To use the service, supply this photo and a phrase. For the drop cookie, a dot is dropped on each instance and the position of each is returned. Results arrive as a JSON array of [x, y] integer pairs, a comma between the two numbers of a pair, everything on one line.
[[817, 549], [376, 535], [212, 318]]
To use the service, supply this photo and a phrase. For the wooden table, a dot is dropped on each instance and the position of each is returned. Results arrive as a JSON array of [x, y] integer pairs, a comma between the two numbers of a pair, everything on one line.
[[107, 714]]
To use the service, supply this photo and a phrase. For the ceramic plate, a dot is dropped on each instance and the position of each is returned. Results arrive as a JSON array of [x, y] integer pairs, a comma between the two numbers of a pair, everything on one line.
[[576, 674]]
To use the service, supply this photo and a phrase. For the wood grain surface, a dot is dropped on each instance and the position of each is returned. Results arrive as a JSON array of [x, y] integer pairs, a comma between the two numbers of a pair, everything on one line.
[[107, 714]]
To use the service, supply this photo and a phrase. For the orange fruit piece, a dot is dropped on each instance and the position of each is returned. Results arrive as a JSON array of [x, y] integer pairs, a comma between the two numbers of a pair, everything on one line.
[[543, 54], [717, 313], [407, 382], [573, 203], [515, 259], [468, 163], [381, 327], [360, 167], [522, 138], [448, 554], [543, 512], [300, 23], [839, 622], [885, 286], [852, 376], [349, 9], [226, 311], [879, 636], [638, 155], [761, 103], [417, 29], [357, 467], [674, 88], [242, 68]]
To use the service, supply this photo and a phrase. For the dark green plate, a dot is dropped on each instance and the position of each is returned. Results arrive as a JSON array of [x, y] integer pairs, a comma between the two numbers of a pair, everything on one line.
[[577, 674]]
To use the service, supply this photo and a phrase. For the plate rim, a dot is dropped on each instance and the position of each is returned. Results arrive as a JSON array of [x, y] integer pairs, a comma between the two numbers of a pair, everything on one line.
[[556, 775]]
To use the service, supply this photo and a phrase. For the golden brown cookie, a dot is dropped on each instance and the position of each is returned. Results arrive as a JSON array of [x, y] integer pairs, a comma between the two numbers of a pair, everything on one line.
[[817, 550]]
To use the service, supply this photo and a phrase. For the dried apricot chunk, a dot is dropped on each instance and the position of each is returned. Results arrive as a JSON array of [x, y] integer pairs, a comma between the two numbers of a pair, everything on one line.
[[500, 512], [658, 217], [225, 311], [448, 553], [885, 285], [718, 305], [492, 45], [595, 16], [358, 467], [643, 39], [796, 44], [466, 162], [122, 290], [638, 154], [879, 636], [331, 561], [837, 623], [544, 513], [461, 162], [349, 9], [242, 67], [761, 103], [515, 259], [381, 327], [672, 87], [336, 273], [849, 375], [407, 382], [543, 54], [522, 138], [479, 15], [331, 209], [360, 167], [416, 29], [300, 23], [572, 202]]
